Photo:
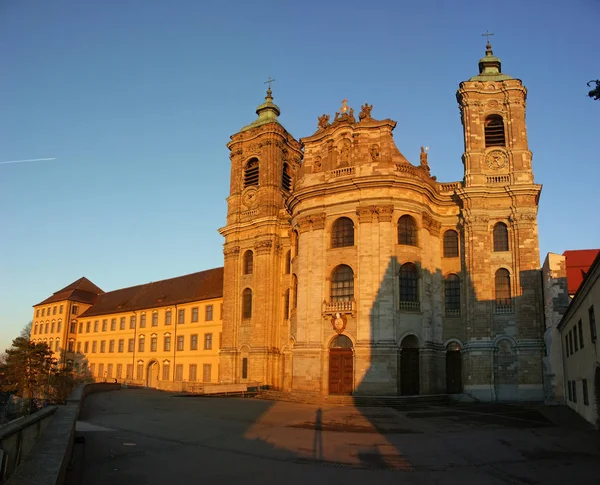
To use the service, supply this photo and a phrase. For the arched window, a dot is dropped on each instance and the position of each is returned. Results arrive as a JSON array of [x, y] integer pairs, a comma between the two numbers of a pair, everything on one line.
[[248, 262], [342, 233], [288, 262], [450, 244], [295, 242], [286, 305], [409, 287], [407, 231], [500, 237], [251, 173], [247, 303], [494, 131], [294, 291], [452, 295], [342, 284], [502, 287], [286, 178]]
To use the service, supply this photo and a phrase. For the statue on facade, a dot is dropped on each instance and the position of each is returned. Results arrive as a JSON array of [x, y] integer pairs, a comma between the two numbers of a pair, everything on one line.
[[365, 112], [323, 121]]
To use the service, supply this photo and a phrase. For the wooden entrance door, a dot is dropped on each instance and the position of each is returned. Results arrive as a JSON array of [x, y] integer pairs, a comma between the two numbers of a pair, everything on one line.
[[453, 372], [409, 372], [341, 371]]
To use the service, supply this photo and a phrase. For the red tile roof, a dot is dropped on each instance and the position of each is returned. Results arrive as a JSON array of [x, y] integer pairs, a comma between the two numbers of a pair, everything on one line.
[[182, 289], [578, 263], [81, 290]]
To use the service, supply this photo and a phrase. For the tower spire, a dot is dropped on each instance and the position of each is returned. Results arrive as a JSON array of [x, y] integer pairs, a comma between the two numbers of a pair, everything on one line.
[[267, 112]]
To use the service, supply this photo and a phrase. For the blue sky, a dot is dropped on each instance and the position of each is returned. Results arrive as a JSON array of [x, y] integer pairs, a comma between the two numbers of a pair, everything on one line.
[[136, 100]]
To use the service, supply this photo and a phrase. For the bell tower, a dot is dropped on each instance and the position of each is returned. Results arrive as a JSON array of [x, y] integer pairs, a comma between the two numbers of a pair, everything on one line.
[[264, 160], [492, 108]]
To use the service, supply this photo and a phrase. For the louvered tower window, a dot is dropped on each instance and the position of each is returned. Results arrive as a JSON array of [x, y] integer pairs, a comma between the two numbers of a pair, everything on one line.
[[251, 173], [286, 178], [494, 131]]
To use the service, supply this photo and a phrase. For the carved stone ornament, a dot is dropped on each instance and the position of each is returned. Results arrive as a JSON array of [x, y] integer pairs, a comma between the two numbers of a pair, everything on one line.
[[431, 224], [317, 165], [374, 152], [365, 214], [523, 217], [492, 104], [496, 159], [385, 212], [230, 252], [323, 121], [312, 222], [365, 112], [338, 322], [249, 197], [263, 247]]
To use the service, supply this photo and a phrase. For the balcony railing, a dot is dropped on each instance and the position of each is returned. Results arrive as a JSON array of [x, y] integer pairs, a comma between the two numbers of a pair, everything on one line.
[[338, 306], [503, 306], [452, 313], [341, 172], [410, 306]]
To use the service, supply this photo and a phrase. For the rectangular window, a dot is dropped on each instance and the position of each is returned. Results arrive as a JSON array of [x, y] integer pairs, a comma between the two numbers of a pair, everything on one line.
[[95, 325], [153, 341], [92, 369], [130, 345], [567, 345], [571, 341], [586, 397], [575, 339], [86, 347], [60, 310], [132, 321], [109, 369], [245, 368], [167, 343], [181, 316], [155, 319], [71, 346], [119, 371], [121, 347], [113, 324], [80, 327], [37, 313], [73, 327], [79, 347], [206, 372], [102, 346], [574, 391], [94, 347], [54, 310], [122, 323], [111, 346], [59, 326], [179, 372], [166, 371], [87, 326], [208, 313], [74, 310], [168, 317], [207, 341], [180, 340], [141, 344], [52, 327], [140, 372], [43, 311], [580, 326], [193, 374], [129, 373], [143, 320], [104, 325], [592, 317], [220, 340], [195, 314], [569, 393], [100, 370], [194, 341]]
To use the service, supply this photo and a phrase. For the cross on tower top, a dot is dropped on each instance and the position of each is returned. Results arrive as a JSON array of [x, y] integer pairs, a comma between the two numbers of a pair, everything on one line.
[[269, 81], [487, 34]]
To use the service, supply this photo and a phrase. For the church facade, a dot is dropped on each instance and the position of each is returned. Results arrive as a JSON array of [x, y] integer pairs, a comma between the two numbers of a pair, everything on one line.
[[350, 270]]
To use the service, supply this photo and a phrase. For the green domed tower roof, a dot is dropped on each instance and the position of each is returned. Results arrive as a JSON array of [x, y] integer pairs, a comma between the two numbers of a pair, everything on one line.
[[267, 112], [490, 67]]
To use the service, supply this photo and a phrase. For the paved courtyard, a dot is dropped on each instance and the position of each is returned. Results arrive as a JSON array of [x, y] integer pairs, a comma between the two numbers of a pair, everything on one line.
[[139, 436]]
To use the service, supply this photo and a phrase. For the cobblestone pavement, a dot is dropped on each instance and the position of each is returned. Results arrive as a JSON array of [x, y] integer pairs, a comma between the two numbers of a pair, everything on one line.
[[139, 436]]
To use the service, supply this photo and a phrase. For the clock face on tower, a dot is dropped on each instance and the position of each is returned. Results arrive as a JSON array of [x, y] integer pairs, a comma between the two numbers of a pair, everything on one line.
[[496, 159], [249, 197]]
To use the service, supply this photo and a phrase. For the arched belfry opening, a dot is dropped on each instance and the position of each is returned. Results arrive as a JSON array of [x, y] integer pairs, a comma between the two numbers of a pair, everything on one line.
[[409, 366], [341, 366]]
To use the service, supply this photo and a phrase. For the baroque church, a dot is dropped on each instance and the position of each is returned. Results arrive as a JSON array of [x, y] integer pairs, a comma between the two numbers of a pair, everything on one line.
[[349, 269]]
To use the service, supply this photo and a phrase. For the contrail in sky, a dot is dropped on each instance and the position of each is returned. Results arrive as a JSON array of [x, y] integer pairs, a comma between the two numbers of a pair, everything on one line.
[[30, 160]]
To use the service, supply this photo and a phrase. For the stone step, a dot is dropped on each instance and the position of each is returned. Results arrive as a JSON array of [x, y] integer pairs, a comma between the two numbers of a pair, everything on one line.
[[359, 401]]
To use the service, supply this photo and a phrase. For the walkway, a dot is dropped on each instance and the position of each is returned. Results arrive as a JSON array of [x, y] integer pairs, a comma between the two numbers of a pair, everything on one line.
[[139, 437]]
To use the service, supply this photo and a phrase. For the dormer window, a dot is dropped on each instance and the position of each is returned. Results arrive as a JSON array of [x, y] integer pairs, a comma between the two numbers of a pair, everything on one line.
[[251, 173], [494, 131]]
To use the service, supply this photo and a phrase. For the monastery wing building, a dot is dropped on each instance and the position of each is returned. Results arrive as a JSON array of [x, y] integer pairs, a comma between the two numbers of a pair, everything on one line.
[[347, 269], [350, 270]]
